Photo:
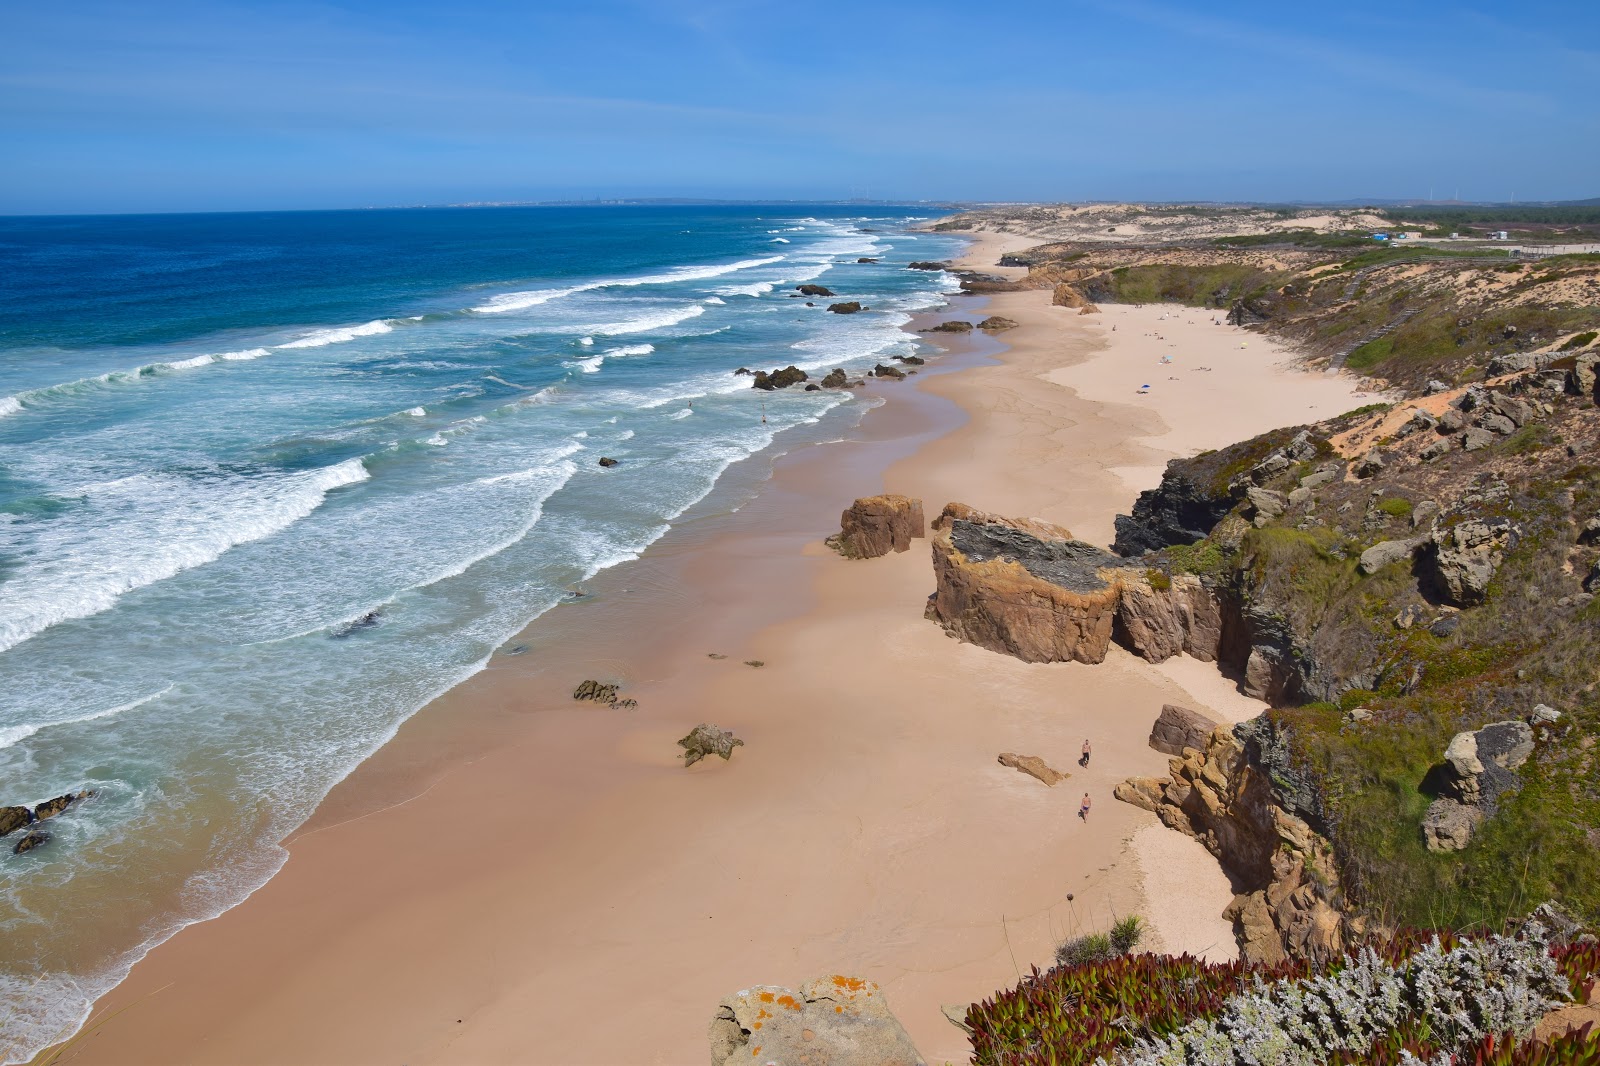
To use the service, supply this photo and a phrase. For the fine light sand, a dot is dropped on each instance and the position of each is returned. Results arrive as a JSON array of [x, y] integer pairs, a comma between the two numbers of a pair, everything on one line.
[[520, 879]]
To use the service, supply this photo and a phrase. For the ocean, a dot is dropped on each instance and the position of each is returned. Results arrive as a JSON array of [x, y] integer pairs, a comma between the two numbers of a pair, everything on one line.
[[271, 482]]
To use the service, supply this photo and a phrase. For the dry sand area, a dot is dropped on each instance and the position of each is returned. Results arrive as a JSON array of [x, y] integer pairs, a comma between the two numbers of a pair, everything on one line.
[[519, 879]]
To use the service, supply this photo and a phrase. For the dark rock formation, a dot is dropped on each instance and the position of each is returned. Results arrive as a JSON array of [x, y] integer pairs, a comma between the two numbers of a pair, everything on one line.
[[928, 265], [36, 838], [1033, 766], [1181, 511], [956, 326], [779, 379], [704, 740], [878, 525], [866, 259], [742, 370], [1179, 727], [14, 818], [883, 371], [813, 290], [836, 379], [997, 324], [847, 307], [597, 691], [607, 461], [51, 808], [832, 1021], [910, 360]]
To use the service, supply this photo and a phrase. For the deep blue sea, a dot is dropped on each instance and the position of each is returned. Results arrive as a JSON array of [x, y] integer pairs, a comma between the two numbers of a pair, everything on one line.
[[227, 440]]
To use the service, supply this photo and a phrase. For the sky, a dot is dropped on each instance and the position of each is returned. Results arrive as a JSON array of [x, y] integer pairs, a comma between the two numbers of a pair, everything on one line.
[[187, 106]]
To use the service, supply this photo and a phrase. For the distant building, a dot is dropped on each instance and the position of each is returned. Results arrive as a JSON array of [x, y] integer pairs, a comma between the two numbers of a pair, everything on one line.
[[1380, 236], [1499, 235]]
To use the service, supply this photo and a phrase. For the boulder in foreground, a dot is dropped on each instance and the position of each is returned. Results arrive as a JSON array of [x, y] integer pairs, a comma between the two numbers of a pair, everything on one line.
[[997, 324], [878, 525], [832, 1021], [847, 307]]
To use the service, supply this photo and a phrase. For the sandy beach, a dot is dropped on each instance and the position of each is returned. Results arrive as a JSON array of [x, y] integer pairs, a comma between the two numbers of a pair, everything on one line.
[[518, 878]]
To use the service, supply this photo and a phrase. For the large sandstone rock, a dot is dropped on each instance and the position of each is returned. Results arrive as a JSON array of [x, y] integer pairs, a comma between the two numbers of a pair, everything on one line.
[[1022, 587], [848, 307], [1066, 295], [878, 525], [833, 1021], [997, 324], [1179, 727], [1160, 615], [778, 379], [52, 807], [1027, 588]]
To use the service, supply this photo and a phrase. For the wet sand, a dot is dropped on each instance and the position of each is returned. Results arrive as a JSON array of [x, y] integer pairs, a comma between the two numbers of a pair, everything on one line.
[[521, 878]]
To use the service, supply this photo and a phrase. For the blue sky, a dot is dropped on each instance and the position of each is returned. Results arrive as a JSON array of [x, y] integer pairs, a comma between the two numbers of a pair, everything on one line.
[[175, 105]]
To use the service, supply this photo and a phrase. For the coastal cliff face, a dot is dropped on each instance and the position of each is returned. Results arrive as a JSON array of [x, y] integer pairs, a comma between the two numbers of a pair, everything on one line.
[[1284, 874], [1391, 581]]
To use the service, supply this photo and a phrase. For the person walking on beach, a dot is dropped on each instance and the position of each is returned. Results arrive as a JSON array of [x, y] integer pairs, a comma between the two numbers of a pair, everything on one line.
[[1083, 760], [1083, 808]]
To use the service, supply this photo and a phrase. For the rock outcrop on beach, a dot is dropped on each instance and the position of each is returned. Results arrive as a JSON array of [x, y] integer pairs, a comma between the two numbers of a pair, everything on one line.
[[954, 326], [836, 379], [1287, 880], [52, 807], [997, 324], [925, 264], [600, 692], [846, 307], [883, 371], [13, 819], [877, 525], [813, 290], [1033, 766], [1029, 589], [832, 1021], [705, 739], [607, 461], [1022, 587]]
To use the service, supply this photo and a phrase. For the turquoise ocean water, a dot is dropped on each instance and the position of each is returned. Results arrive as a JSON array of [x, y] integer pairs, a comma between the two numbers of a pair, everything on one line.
[[227, 440]]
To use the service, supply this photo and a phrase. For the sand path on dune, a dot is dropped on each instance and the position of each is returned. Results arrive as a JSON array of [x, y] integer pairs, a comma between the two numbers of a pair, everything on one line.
[[520, 879]]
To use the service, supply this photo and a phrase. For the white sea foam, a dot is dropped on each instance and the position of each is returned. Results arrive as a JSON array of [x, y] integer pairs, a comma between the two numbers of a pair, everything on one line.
[[338, 336], [415, 412], [13, 734], [590, 365], [186, 364], [646, 323], [139, 530], [715, 300], [631, 349], [685, 413], [520, 301], [779, 240], [9, 405], [586, 341], [251, 353], [759, 288]]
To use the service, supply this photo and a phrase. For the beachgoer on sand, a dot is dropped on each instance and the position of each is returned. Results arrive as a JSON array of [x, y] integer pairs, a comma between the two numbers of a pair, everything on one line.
[[1083, 760], [1083, 808]]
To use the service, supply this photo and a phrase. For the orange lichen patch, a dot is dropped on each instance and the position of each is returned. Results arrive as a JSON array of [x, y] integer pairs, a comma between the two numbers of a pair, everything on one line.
[[790, 1002], [838, 1010], [849, 984], [767, 997], [755, 1051], [755, 1025]]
